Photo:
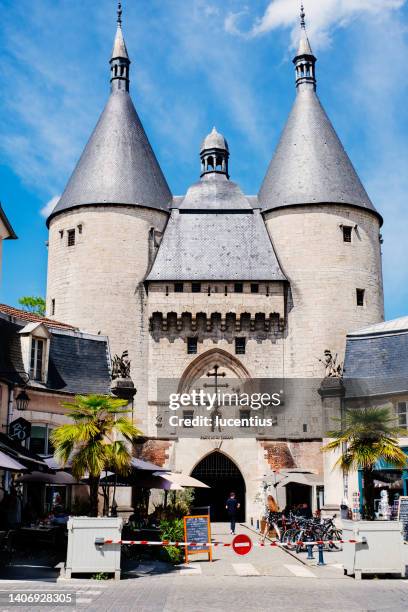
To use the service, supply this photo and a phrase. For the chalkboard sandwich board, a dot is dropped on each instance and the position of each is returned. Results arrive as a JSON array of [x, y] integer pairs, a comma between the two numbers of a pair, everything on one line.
[[403, 514], [197, 529]]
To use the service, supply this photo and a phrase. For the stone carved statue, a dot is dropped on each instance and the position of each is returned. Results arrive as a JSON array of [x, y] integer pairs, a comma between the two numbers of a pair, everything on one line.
[[334, 369], [121, 366]]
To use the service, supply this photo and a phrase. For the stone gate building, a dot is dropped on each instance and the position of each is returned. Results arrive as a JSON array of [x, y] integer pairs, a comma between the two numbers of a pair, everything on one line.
[[258, 285]]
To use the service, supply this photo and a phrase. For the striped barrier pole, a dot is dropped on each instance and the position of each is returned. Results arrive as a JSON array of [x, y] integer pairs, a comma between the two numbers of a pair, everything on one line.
[[103, 542]]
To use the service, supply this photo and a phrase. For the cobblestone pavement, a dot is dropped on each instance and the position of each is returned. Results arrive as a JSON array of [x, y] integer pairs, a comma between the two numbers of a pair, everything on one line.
[[265, 579]]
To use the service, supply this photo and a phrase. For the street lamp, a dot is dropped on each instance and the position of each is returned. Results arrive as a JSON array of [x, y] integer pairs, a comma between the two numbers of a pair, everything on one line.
[[22, 400]]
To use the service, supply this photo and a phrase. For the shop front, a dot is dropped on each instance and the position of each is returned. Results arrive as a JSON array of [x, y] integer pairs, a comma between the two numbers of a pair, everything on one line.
[[387, 478]]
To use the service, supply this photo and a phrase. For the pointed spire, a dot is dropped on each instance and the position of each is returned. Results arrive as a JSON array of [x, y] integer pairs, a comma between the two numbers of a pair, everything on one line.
[[119, 61], [304, 59]]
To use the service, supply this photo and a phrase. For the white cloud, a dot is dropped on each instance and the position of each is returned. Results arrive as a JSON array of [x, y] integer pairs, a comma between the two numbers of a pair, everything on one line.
[[49, 206], [322, 16]]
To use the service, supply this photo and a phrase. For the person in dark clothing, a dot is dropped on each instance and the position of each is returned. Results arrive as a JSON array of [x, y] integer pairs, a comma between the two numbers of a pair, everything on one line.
[[231, 506]]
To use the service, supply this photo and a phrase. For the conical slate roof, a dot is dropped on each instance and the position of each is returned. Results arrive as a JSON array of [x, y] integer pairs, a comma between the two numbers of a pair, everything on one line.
[[118, 165], [310, 164]]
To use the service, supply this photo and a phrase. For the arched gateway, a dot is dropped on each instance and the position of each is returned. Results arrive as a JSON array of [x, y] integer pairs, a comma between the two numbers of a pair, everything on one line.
[[223, 476]]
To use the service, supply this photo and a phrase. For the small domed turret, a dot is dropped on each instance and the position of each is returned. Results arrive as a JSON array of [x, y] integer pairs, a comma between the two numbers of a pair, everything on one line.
[[214, 154]]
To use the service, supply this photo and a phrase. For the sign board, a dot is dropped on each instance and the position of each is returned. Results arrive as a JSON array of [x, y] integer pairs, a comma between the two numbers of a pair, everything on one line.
[[403, 515], [19, 430], [242, 544], [197, 529]]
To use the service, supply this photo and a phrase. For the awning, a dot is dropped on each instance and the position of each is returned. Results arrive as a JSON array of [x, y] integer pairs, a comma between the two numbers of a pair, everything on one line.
[[8, 463], [60, 478], [181, 479], [21, 454], [303, 478]]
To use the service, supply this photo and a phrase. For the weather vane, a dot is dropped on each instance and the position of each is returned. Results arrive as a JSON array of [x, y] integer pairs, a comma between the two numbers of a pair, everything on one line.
[[120, 14]]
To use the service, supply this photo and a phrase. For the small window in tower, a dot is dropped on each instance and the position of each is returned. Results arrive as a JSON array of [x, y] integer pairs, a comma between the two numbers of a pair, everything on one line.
[[225, 289], [304, 427], [53, 306], [360, 297], [240, 346], [80, 228], [254, 288], [210, 163], [238, 287], [71, 237], [347, 233], [219, 163], [191, 346], [167, 290], [196, 287], [209, 290], [178, 287]]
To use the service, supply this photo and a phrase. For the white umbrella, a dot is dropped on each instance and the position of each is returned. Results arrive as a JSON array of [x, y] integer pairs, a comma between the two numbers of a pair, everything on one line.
[[155, 482], [181, 479]]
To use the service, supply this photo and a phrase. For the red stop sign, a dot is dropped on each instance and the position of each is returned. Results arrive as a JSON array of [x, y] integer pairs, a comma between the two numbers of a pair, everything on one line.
[[242, 544]]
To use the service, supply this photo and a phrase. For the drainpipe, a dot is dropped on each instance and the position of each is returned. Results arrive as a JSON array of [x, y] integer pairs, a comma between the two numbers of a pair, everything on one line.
[[9, 406]]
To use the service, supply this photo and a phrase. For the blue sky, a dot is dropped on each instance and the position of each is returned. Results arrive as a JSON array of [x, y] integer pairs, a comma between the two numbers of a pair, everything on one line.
[[196, 64]]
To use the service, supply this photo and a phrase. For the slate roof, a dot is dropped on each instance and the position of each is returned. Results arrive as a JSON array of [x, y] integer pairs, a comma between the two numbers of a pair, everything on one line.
[[376, 359], [310, 165], [78, 362], [215, 234], [118, 165]]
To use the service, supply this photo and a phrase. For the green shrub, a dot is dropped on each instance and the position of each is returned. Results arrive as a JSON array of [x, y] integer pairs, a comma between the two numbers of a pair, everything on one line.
[[172, 530]]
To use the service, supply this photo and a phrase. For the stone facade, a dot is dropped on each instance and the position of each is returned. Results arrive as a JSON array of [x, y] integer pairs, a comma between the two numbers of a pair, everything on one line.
[[299, 276]]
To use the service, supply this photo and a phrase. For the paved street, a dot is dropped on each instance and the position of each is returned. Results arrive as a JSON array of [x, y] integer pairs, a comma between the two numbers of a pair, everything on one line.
[[267, 578]]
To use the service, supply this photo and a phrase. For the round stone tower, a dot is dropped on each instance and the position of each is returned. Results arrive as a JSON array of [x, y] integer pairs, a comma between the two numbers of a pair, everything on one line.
[[325, 230], [105, 229]]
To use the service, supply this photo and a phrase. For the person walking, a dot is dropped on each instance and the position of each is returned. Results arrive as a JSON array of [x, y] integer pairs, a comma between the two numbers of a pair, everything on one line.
[[270, 516], [231, 506]]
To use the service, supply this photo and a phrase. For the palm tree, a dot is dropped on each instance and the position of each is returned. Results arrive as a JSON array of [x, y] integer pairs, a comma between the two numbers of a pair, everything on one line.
[[90, 441], [367, 435]]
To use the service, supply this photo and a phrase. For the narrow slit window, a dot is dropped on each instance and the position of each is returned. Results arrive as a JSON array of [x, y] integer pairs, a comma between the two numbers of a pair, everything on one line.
[[71, 237], [360, 294], [53, 306], [191, 346], [347, 233], [188, 415], [240, 346]]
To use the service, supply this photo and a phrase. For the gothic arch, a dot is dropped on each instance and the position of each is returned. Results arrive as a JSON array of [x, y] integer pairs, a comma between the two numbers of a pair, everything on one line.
[[222, 475], [204, 362]]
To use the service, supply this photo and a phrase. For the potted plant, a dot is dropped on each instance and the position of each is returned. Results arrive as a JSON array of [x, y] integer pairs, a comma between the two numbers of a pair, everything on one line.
[[90, 443], [367, 436]]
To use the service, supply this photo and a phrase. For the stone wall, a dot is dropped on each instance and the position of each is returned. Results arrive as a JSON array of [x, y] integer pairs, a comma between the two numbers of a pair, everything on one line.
[[324, 273], [97, 284]]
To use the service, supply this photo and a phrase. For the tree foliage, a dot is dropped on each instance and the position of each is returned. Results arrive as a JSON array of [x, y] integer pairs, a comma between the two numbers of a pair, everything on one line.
[[99, 439], [33, 304], [367, 435]]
